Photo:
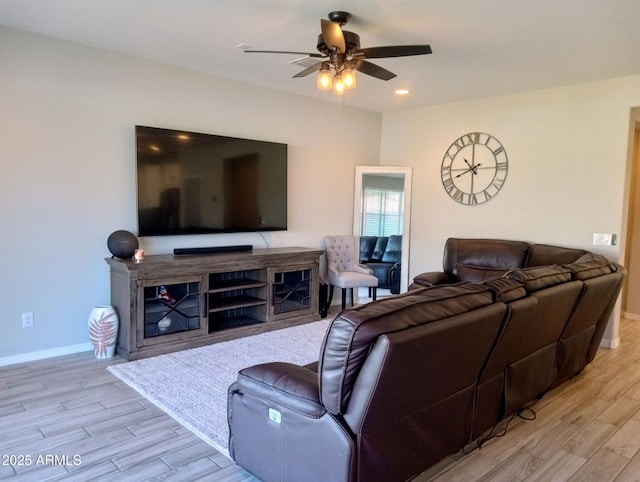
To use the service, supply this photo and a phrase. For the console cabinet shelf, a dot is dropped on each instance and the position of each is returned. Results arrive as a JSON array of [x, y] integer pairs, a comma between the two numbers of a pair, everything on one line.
[[167, 303]]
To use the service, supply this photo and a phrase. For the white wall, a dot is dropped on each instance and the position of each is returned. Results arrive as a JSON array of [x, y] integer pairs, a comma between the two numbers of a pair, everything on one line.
[[67, 155], [567, 150]]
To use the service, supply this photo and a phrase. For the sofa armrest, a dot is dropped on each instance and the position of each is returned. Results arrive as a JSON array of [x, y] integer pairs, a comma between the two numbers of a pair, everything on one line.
[[293, 386], [434, 278], [279, 430], [355, 267], [395, 275]]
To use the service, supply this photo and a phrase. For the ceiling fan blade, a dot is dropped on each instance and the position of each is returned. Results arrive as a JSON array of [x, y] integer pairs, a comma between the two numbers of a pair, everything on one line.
[[392, 51], [309, 70], [332, 35], [284, 52], [373, 70]]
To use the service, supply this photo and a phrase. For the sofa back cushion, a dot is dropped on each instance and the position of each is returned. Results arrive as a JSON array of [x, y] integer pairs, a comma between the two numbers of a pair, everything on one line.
[[379, 249], [352, 333], [544, 254], [475, 274], [393, 253], [492, 255], [506, 289], [590, 266], [367, 245], [535, 279]]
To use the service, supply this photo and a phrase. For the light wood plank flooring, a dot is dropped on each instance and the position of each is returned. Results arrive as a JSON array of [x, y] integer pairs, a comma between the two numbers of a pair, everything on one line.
[[57, 409]]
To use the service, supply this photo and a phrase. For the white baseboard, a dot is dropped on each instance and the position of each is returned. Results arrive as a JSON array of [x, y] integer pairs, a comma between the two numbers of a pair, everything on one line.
[[41, 355], [631, 316], [606, 343]]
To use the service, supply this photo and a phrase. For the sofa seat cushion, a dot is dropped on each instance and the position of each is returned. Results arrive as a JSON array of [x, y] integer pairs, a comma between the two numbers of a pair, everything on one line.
[[352, 333], [535, 279], [589, 266]]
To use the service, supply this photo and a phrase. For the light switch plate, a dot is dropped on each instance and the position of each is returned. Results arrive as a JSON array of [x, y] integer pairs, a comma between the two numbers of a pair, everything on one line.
[[604, 239]]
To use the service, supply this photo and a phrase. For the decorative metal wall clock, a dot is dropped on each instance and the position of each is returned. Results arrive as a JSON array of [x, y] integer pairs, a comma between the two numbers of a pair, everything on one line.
[[474, 168]]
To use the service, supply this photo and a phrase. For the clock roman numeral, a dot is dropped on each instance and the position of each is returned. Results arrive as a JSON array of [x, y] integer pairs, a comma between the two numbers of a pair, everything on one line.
[[467, 139], [498, 182], [448, 184], [487, 195]]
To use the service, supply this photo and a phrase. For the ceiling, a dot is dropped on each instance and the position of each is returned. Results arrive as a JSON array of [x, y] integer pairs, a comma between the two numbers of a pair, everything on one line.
[[481, 48]]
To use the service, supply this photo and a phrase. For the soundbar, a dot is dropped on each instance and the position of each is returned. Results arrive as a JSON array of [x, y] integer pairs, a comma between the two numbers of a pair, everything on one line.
[[214, 249]]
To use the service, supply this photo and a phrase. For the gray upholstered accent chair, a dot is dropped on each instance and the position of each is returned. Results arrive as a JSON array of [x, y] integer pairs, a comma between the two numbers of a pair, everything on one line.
[[343, 268]]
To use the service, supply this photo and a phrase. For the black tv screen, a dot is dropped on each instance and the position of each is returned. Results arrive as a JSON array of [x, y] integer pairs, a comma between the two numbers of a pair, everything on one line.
[[191, 183]]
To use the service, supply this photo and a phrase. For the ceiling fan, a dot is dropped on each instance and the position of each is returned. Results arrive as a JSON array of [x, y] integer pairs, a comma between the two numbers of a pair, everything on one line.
[[343, 55]]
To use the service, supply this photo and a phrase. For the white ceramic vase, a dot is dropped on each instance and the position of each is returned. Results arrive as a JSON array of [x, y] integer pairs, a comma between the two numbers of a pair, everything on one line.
[[103, 330]]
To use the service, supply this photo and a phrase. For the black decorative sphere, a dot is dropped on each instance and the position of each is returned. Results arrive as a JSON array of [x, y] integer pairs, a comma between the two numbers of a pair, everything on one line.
[[122, 244]]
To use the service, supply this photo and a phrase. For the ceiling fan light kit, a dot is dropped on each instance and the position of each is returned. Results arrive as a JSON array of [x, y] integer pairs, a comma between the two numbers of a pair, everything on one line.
[[325, 77], [344, 56], [349, 78], [338, 84]]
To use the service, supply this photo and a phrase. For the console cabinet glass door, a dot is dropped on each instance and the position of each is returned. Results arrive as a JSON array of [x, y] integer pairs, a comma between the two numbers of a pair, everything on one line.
[[169, 310], [293, 291]]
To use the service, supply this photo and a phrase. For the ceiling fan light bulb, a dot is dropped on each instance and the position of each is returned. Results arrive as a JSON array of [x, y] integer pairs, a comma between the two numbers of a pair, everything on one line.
[[338, 84], [324, 79], [349, 78]]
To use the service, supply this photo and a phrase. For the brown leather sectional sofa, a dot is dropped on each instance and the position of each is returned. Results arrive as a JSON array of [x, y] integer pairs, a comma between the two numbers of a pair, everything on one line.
[[405, 381]]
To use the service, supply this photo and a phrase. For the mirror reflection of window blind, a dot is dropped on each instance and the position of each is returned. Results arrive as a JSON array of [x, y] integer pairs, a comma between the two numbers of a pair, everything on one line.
[[382, 212]]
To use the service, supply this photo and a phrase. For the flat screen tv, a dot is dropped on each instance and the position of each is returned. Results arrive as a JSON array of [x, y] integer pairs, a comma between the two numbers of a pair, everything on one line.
[[191, 183]]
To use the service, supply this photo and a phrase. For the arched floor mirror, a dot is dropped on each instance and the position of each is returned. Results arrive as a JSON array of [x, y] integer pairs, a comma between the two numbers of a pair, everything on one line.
[[382, 206]]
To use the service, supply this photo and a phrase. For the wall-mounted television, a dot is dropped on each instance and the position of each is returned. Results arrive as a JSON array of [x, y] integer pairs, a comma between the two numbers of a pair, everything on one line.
[[190, 183]]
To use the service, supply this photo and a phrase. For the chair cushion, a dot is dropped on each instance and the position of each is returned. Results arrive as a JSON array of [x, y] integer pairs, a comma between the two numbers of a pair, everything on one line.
[[341, 252], [351, 279]]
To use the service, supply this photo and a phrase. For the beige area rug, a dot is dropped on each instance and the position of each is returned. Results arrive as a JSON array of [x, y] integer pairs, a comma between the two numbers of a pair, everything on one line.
[[191, 385]]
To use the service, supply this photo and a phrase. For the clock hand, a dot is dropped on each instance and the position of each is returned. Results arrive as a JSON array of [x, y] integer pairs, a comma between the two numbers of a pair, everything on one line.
[[472, 168], [464, 172]]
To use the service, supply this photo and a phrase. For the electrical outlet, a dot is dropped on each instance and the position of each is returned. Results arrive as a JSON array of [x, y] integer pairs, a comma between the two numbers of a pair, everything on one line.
[[27, 319]]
